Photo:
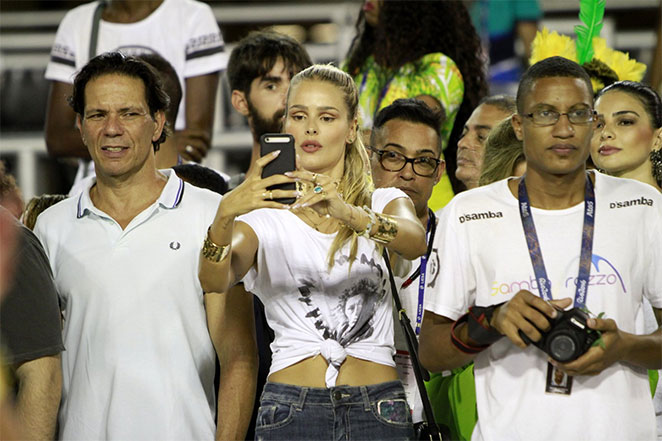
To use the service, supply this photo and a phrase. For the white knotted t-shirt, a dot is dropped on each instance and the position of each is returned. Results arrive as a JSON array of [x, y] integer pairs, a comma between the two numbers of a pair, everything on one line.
[[314, 310]]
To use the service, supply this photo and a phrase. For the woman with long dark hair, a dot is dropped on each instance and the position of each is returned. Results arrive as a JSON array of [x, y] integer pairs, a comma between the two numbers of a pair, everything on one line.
[[424, 49], [628, 139]]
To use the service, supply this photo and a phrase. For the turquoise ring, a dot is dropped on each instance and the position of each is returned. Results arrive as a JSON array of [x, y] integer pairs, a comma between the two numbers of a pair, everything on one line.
[[318, 189]]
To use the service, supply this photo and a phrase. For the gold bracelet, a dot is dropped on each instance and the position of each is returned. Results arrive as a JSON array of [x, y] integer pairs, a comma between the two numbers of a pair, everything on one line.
[[213, 252], [365, 231], [387, 228]]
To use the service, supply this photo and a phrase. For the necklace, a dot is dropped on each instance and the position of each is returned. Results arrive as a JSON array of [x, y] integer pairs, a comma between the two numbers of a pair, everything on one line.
[[307, 214]]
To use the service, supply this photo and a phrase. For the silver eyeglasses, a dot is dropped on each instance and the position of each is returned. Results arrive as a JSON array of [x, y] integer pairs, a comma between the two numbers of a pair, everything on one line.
[[548, 117]]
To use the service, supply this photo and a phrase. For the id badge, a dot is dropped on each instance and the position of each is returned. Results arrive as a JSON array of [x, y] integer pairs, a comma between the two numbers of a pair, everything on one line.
[[558, 382]]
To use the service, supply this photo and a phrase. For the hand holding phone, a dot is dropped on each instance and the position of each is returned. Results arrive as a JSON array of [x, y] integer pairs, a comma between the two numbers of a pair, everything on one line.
[[285, 162]]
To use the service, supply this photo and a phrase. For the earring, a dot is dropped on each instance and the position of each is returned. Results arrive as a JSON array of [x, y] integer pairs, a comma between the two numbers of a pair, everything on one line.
[[656, 160]]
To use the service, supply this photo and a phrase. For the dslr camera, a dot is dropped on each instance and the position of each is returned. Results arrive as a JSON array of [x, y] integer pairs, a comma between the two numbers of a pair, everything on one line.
[[568, 338]]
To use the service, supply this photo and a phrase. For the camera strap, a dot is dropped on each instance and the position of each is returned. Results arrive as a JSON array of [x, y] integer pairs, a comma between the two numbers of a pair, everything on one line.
[[544, 284]]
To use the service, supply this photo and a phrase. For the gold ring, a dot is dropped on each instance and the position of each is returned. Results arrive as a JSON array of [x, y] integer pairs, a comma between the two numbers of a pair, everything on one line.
[[315, 178], [271, 194]]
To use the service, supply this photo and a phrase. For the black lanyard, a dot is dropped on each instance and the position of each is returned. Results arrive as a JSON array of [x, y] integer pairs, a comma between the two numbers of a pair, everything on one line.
[[544, 284]]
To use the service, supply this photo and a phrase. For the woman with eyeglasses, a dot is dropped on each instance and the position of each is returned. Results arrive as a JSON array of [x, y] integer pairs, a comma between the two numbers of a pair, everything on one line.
[[628, 138], [317, 266]]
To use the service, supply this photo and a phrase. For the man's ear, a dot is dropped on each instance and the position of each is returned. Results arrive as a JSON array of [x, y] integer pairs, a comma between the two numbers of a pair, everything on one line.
[[239, 102], [516, 122], [79, 124], [440, 171], [159, 119]]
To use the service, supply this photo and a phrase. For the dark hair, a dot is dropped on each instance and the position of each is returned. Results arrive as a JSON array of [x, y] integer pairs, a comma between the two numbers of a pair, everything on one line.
[[256, 54], [411, 110], [647, 96], [501, 102], [549, 68], [170, 81], [202, 177], [116, 63], [407, 31]]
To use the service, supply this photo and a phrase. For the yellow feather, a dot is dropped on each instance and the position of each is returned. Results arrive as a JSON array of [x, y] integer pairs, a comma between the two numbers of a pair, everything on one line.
[[625, 67], [549, 44]]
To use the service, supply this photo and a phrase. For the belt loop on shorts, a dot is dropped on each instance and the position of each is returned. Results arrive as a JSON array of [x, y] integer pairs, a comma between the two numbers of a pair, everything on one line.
[[302, 398], [366, 398]]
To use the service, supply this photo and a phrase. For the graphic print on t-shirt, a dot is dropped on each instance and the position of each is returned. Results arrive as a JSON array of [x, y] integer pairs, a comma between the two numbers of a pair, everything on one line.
[[351, 304], [603, 272], [136, 50]]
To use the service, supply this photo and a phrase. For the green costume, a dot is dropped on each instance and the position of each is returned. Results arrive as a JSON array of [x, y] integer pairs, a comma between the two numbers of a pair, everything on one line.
[[434, 75]]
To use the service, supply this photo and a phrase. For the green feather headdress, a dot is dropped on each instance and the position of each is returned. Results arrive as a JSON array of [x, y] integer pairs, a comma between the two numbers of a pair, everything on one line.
[[603, 64], [591, 13]]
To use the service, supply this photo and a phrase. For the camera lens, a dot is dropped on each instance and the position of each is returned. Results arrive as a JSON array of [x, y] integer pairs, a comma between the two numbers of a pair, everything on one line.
[[562, 347]]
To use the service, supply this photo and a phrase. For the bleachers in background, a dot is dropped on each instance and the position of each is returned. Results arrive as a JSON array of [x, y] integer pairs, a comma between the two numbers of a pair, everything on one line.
[[26, 39], [326, 27]]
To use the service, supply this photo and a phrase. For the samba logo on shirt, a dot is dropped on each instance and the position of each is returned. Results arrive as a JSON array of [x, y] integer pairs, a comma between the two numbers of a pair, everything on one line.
[[603, 273]]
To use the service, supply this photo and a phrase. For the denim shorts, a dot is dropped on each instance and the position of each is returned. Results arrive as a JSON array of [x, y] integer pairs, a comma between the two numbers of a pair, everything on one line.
[[374, 412]]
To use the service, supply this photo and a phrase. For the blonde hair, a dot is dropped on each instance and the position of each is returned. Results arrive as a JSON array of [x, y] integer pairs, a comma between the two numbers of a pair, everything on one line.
[[37, 205], [503, 151], [356, 184]]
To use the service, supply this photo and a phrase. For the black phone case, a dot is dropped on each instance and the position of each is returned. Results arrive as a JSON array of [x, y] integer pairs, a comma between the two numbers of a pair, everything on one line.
[[285, 162]]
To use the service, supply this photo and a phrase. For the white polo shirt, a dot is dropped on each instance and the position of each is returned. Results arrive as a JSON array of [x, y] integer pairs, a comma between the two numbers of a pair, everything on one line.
[[139, 362]]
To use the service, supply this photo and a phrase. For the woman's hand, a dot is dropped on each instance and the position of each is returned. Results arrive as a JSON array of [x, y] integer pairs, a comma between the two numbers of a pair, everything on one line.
[[321, 194], [253, 193]]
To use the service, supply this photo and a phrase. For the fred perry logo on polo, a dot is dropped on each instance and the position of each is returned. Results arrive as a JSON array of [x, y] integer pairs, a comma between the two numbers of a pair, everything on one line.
[[174, 245], [622, 204], [479, 216]]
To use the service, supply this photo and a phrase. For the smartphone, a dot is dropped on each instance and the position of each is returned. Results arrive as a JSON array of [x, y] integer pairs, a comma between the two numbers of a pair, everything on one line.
[[285, 162]]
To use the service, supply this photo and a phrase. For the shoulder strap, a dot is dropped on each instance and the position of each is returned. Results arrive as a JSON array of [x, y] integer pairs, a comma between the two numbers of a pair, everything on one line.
[[420, 374], [432, 228], [94, 35]]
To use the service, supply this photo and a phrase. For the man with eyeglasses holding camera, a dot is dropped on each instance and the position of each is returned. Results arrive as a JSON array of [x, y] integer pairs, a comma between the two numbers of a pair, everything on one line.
[[519, 252], [405, 150]]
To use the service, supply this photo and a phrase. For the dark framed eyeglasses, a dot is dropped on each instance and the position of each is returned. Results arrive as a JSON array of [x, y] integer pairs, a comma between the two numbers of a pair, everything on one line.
[[549, 117], [424, 166]]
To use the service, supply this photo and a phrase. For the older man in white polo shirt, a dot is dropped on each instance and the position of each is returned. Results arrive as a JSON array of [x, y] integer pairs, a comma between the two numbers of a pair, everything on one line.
[[139, 332]]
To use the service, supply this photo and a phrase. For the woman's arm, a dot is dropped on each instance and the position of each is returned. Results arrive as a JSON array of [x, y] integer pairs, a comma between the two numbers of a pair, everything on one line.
[[409, 240], [230, 247], [397, 228], [62, 137], [200, 101]]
